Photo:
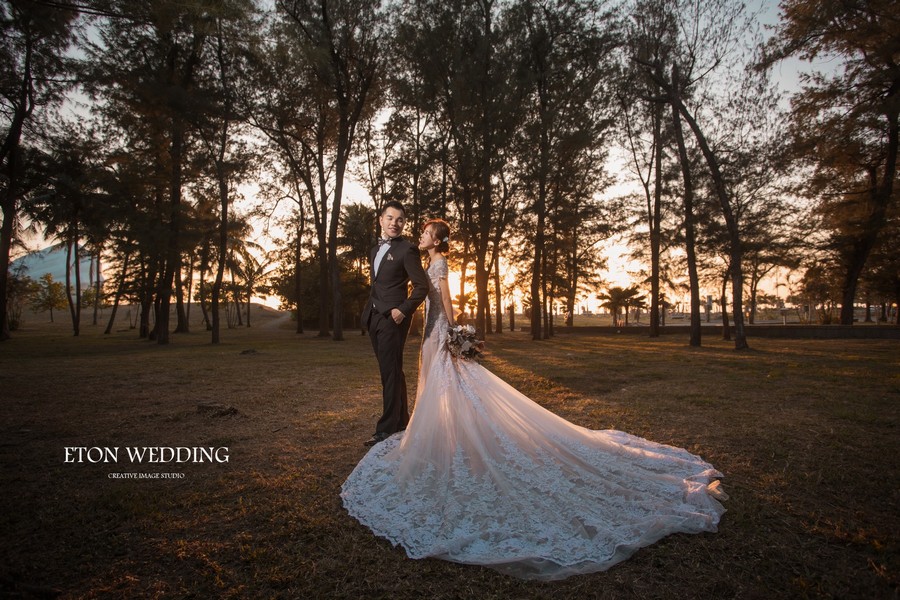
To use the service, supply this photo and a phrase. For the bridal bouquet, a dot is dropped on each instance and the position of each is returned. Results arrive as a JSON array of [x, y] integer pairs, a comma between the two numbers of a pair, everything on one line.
[[461, 342]]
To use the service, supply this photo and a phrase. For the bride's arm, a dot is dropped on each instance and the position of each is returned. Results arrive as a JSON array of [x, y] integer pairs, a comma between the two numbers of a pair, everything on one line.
[[445, 298]]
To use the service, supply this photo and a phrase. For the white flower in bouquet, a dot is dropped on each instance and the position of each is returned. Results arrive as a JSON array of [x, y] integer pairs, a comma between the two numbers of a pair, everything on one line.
[[462, 343]]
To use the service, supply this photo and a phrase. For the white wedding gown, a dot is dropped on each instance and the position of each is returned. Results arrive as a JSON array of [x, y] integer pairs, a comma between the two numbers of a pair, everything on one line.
[[485, 476]]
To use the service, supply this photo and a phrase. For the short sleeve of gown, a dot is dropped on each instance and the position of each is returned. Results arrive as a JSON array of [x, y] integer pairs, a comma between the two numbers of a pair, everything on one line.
[[440, 269]]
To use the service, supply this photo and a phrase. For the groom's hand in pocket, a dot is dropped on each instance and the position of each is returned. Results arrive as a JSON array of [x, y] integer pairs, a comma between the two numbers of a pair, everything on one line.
[[397, 316]]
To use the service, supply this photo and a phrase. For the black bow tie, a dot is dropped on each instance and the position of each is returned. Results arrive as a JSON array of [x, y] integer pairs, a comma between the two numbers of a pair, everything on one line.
[[383, 241]]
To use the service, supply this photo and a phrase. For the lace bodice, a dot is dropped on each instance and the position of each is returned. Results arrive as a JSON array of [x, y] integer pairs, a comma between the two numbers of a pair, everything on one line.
[[434, 307]]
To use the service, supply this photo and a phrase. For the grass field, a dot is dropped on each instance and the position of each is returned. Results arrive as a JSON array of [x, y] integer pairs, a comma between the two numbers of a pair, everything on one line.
[[806, 433]]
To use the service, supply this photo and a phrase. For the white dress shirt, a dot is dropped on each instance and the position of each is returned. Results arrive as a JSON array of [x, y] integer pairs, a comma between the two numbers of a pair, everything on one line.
[[378, 258]]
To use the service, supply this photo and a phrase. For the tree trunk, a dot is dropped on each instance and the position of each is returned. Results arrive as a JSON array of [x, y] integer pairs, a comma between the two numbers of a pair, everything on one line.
[[572, 267], [536, 301], [222, 252], [334, 267], [726, 327], [754, 284], [181, 322], [298, 283], [120, 289], [322, 251], [97, 285], [201, 285], [462, 279], [655, 223], [236, 298], [10, 151], [74, 305], [189, 287], [173, 249], [545, 306], [550, 316], [147, 301], [486, 156], [6, 231], [540, 209], [157, 302], [735, 249], [498, 303], [482, 279], [689, 235]]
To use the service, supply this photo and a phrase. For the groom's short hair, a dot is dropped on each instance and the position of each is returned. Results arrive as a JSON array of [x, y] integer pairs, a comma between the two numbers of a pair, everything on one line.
[[393, 204]]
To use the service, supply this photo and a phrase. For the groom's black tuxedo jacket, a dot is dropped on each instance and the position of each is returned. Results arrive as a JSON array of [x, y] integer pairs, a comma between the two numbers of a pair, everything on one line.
[[401, 264]]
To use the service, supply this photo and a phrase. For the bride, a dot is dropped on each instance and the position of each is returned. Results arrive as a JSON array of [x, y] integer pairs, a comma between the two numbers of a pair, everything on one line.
[[483, 475]]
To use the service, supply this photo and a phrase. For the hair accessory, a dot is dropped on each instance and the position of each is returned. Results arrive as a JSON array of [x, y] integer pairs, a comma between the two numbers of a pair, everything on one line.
[[446, 239]]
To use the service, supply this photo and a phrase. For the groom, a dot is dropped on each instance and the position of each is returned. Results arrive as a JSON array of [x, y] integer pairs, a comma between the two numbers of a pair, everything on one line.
[[395, 263]]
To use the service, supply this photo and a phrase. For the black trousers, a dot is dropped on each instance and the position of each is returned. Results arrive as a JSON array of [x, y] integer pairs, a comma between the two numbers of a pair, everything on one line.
[[388, 341]]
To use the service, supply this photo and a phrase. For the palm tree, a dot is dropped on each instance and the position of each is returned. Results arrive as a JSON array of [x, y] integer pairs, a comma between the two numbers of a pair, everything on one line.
[[617, 298], [245, 270], [357, 234], [252, 270]]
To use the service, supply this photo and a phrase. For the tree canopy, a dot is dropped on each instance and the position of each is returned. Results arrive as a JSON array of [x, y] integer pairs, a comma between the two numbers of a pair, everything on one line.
[[190, 126]]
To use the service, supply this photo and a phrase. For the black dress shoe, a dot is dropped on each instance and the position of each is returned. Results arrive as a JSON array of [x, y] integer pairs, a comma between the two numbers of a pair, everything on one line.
[[375, 439]]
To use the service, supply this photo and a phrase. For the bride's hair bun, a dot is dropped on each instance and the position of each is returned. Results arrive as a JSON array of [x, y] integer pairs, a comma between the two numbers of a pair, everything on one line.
[[440, 231]]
